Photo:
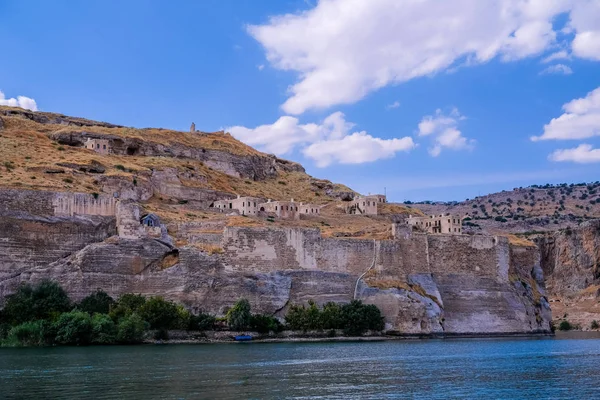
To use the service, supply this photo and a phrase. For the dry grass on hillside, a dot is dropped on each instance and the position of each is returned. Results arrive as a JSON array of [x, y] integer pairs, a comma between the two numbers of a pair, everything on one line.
[[28, 155], [389, 208], [519, 241]]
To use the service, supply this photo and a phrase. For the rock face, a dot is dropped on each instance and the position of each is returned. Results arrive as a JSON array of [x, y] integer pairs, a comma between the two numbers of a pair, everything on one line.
[[255, 167], [423, 284], [571, 263], [571, 258]]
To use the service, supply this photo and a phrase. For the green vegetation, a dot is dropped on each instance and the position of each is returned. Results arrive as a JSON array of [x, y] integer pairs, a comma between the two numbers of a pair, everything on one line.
[[97, 302], [354, 318], [594, 325], [43, 315], [238, 316], [565, 326]]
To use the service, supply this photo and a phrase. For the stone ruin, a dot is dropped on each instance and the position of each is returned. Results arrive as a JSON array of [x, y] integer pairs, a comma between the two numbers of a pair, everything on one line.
[[257, 206], [365, 205], [101, 146], [448, 224]]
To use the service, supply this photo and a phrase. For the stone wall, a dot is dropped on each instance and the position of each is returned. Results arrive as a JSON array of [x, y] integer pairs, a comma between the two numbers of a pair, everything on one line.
[[83, 204], [16, 202]]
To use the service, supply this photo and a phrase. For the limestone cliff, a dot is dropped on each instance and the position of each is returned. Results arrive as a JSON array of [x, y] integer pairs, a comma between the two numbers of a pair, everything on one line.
[[571, 264], [423, 284]]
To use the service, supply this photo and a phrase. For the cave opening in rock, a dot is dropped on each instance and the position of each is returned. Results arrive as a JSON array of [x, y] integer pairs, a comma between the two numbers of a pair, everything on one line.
[[131, 151]]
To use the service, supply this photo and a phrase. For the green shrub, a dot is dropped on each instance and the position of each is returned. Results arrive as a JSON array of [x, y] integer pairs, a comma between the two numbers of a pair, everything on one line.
[[265, 323], [131, 329], [565, 326], [43, 301], [104, 330], [594, 325], [331, 316], [201, 322], [120, 167], [238, 316], [126, 305], [354, 318], [74, 328], [296, 318], [32, 333], [359, 318], [97, 302], [160, 313]]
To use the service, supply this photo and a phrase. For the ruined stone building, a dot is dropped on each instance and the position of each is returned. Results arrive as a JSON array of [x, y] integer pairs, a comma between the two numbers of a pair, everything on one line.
[[365, 205], [282, 209], [309, 209], [193, 128], [101, 146], [243, 205], [449, 224]]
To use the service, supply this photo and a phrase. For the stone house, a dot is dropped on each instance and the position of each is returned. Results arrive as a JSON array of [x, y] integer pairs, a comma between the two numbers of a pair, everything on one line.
[[282, 209], [101, 146], [365, 205], [448, 224], [243, 205], [309, 209], [150, 220], [151, 225]]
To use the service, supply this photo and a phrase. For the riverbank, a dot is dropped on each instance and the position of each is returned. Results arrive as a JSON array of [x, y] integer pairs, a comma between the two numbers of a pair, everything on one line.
[[205, 337]]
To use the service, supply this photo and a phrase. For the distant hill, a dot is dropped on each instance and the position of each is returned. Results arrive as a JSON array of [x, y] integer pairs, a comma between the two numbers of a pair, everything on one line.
[[525, 209]]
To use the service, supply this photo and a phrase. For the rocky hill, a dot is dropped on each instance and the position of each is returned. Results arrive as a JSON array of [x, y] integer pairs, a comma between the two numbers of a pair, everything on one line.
[[525, 210], [46, 151], [73, 213]]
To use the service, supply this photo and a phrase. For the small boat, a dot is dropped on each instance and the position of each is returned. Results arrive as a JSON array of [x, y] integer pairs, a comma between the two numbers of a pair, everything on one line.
[[243, 338]]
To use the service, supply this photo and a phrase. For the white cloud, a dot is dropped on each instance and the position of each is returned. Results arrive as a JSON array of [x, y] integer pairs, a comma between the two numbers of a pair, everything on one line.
[[557, 69], [581, 120], [329, 142], [357, 148], [443, 129], [20, 101], [344, 49], [582, 154], [395, 104], [585, 21], [559, 55], [260, 67]]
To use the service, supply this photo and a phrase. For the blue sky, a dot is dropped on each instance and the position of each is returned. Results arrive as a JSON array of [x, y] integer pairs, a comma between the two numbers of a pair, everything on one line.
[[428, 100]]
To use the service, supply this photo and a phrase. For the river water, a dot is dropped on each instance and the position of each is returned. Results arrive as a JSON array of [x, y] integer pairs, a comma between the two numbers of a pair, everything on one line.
[[550, 368]]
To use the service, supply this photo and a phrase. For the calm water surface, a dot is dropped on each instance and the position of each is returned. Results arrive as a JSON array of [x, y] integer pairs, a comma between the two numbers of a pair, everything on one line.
[[466, 368]]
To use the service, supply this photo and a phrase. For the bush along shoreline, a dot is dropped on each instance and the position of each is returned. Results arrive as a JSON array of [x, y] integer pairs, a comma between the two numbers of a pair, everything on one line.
[[43, 315]]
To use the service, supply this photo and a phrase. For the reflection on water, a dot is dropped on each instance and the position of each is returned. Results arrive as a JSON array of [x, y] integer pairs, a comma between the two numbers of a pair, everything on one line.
[[460, 368]]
